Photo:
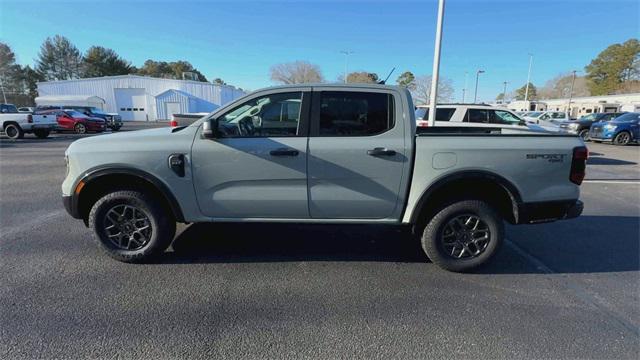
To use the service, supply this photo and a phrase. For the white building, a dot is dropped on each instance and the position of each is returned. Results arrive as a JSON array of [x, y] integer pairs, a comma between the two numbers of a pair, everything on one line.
[[581, 105], [145, 98]]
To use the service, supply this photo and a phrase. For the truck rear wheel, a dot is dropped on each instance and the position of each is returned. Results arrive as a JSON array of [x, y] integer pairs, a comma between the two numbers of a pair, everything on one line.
[[463, 235], [13, 131], [131, 226], [41, 134]]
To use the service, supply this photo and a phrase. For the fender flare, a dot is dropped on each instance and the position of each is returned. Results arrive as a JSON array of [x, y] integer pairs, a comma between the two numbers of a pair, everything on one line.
[[98, 172], [511, 190]]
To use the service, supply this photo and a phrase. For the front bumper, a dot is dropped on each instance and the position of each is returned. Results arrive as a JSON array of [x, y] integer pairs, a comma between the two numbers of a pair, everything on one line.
[[71, 206], [539, 212]]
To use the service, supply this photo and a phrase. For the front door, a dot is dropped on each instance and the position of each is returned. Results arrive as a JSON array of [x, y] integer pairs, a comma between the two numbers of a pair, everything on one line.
[[257, 167], [358, 158]]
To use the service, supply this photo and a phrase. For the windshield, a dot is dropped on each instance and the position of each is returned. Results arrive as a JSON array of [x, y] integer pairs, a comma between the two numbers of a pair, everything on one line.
[[534, 114], [75, 114], [628, 117], [589, 117]]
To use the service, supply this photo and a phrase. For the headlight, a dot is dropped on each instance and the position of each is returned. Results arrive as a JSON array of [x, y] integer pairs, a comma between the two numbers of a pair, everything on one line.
[[574, 126], [610, 126]]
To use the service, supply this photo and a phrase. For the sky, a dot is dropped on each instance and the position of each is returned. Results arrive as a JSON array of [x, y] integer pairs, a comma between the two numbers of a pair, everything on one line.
[[239, 41]]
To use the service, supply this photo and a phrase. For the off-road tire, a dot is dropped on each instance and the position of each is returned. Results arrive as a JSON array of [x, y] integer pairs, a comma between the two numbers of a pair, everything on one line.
[[163, 225], [432, 235]]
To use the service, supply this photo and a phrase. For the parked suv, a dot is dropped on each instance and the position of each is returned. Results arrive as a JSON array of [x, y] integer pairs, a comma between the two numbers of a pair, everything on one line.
[[581, 126], [469, 115], [620, 131]]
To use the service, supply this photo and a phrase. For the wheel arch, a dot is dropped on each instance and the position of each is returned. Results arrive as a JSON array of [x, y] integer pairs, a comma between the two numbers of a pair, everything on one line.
[[97, 182], [468, 184]]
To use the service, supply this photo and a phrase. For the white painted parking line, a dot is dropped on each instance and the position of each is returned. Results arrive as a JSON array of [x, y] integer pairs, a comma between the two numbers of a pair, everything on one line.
[[612, 181]]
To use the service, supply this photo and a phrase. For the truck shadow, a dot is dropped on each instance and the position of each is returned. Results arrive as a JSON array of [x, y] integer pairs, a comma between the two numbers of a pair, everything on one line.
[[585, 245]]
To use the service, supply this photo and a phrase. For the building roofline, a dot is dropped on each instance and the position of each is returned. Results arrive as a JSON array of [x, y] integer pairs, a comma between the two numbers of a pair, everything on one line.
[[134, 76]]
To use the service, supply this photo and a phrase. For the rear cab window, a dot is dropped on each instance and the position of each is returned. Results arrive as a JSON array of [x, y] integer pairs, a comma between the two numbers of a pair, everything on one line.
[[352, 113], [442, 113]]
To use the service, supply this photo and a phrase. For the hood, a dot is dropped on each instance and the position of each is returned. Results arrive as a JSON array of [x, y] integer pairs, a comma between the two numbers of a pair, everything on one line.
[[120, 140]]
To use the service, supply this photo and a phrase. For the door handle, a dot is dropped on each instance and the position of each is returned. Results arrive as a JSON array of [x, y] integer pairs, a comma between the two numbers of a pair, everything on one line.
[[380, 151], [284, 152]]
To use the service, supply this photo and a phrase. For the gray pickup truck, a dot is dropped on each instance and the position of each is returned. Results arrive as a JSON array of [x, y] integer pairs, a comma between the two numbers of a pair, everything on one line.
[[323, 154]]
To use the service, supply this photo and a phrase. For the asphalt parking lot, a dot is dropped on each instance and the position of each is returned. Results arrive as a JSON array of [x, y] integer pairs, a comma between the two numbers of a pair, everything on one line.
[[568, 289]]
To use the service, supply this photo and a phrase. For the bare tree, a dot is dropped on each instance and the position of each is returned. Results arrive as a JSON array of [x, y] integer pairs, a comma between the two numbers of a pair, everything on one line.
[[560, 86], [362, 77], [422, 89], [298, 72]]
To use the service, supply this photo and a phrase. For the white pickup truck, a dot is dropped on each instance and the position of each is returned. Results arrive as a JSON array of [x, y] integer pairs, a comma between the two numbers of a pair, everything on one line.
[[15, 124], [324, 154]]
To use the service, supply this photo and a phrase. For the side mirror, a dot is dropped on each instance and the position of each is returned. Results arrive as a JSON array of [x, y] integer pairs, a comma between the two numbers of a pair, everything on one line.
[[210, 129]]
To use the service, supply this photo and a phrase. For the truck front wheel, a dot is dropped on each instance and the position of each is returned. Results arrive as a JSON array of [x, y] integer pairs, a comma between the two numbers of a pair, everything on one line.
[[131, 226], [463, 235]]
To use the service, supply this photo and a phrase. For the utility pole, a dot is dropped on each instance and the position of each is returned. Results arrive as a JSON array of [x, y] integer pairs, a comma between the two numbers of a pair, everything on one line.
[[526, 91], [475, 94], [4, 96], [346, 62], [464, 89], [504, 92], [433, 96], [573, 80]]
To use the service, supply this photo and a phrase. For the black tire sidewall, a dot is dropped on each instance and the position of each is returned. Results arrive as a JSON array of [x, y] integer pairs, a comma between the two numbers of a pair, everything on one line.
[[18, 131], [615, 139], [41, 134], [586, 136], [162, 225], [79, 126], [432, 246]]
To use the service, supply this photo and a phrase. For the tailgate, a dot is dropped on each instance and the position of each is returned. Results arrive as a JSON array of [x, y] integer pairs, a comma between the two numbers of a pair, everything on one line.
[[45, 119]]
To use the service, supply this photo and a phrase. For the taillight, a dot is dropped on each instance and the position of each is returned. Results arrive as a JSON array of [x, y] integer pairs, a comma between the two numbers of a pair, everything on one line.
[[578, 164], [422, 123], [29, 119], [173, 123]]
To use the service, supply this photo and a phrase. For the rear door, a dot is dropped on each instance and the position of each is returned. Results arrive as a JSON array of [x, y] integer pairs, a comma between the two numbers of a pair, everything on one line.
[[358, 157]]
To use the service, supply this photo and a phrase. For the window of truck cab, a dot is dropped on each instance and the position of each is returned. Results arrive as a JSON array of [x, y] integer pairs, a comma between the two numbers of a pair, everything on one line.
[[270, 115], [353, 113]]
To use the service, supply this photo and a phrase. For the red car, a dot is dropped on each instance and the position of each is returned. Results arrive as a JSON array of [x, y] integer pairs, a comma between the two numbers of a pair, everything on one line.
[[78, 122]]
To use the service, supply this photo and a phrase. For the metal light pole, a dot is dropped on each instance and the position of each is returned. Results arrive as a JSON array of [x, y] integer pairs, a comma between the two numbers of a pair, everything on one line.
[[464, 89], [433, 96], [526, 91], [346, 62], [504, 92], [2, 88], [573, 80], [475, 94]]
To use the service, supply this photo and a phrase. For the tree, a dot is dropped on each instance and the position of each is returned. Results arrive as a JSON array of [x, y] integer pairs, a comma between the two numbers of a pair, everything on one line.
[[59, 59], [560, 87], [500, 97], [9, 70], [362, 77], [298, 72], [406, 79], [99, 61], [169, 70], [533, 92], [218, 81], [617, 64], [422, 90]]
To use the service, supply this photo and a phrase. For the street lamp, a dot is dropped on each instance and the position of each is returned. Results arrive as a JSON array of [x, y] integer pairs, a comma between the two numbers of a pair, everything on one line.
[[573, 80], [464, 89], [346, 61], [433, 95], [475, 94], [504, 92], [526, 91]]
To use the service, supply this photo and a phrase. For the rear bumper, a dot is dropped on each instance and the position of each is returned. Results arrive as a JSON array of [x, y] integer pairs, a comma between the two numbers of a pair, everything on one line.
[[531, 213], [36, 126]]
